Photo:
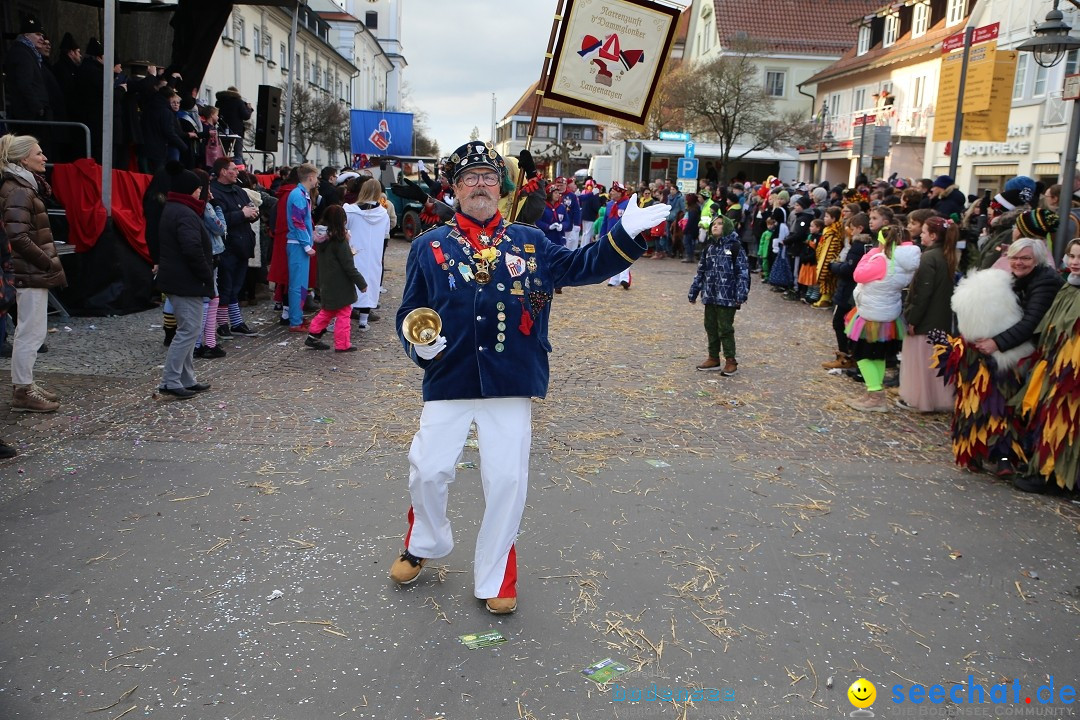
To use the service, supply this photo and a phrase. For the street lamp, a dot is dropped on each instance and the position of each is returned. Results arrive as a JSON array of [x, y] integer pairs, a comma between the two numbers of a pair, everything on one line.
[[821, 144], [1049, 45], [1052, 39]]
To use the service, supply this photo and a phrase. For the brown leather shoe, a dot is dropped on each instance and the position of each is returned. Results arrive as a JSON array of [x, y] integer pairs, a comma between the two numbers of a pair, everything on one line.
[[406, 568], [842, 361], [50, 396], [730, 367], [27, 399], [710, 364], [501, 606]]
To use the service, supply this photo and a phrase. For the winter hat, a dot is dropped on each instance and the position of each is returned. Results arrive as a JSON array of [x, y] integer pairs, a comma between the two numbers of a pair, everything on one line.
[[819, 194], [1037, 223], [943, 181], [802, 201], [94, 48], [1024, 185], [784, 197], [726, 225], [30, 25], [68, 43], [1008, 200], [185, 182]]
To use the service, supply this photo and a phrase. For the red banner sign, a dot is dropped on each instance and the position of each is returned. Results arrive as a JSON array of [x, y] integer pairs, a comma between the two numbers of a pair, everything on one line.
[[981, 35]]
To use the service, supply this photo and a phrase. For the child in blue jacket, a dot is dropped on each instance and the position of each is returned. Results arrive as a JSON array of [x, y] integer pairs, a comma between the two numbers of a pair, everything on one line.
[[723, 281]]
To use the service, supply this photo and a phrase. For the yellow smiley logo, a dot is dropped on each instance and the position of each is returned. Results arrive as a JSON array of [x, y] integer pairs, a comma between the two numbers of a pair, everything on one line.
[[862, 693]]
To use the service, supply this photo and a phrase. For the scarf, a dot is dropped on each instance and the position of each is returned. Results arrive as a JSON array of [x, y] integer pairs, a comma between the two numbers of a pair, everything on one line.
[[472, 229], [197, 205], [1073, 280], [28, 43]]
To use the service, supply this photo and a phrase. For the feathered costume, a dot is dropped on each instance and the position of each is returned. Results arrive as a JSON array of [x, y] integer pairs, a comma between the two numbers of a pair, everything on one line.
[[984, 426], [828, 250], [1049, 402]]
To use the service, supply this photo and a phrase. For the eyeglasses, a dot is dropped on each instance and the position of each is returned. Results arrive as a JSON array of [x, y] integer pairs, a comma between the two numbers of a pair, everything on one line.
[[1022, 258], [474, 179]]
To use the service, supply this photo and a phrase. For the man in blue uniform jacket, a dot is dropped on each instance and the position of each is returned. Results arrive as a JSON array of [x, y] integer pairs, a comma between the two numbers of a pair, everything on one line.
[[492, 284]]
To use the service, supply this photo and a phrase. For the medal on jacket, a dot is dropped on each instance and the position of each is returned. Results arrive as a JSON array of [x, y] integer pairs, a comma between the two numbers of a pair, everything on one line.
[[482, 275]]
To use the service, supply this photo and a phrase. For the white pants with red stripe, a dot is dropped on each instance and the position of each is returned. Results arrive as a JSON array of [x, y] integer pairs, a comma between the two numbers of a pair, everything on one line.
[[504, 434]]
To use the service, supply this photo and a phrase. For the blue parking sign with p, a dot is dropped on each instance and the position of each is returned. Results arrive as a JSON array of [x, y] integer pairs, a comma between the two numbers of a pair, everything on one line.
[[688, 168]]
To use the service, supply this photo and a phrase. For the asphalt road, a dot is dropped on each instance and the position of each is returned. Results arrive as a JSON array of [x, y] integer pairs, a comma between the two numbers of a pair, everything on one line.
[[749, 534]]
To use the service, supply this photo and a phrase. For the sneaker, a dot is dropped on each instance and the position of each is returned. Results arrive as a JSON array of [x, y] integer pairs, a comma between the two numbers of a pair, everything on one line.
[[823, 304], [27, 399], [891, 380], [283, 321], [382, 291], [710, 364], [905, 405], [501, 606], [243, 329], [406, 568], [625, 284], [362, 328], [315, 344], [870, 402], [7, 451], [301, 328], [1004, 468], [224, 330], [198, 387], [351, 348], [730, 367], [50, 396], [1030, 484], [842, 362], [178, 393], [277, 307], [215, 352]]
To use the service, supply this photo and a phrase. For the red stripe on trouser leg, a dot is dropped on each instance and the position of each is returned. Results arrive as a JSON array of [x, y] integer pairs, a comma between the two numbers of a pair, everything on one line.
[[509, 584], [408, 533]]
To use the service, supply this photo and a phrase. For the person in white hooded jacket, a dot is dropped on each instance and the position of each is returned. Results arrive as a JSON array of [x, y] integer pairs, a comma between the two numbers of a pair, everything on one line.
[[368, 224], [875, 325]]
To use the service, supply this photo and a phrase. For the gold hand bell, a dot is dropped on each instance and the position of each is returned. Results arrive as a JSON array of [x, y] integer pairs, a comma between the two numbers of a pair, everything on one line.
[[422, 326]]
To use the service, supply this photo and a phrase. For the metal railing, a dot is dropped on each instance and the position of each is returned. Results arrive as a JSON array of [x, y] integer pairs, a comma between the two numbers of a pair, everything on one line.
[[915, 122]]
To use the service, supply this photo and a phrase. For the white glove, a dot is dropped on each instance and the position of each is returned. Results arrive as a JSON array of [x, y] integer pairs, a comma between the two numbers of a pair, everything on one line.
[[420, 167], [427, 352], [636, 220]]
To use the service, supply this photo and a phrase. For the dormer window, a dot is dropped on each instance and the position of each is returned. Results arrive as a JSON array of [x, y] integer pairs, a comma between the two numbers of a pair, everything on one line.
[[864, 40], [892, 29], [920, 19], [955, 12]]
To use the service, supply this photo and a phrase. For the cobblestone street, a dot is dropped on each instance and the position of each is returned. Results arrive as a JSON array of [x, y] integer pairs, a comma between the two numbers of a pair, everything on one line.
[[750, 533]]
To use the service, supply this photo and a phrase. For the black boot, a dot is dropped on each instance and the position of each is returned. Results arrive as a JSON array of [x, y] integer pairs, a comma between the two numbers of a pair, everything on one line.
[[7, 451], [170, 333]]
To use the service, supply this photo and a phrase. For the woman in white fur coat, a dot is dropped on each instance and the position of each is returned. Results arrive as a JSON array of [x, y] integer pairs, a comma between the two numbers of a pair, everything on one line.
[[986, 363]]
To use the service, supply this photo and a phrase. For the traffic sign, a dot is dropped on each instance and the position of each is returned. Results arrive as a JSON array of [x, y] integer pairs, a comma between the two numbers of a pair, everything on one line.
[[688, 168], [1072, 88], [981, 34], [672, 135], [689, 150]]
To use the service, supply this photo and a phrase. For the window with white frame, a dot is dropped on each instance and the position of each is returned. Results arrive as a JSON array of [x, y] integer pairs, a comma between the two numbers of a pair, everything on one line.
[[226, 31], [284, 54], [892, 29], [1072, 62], [864, 40], [256, 40], [268, 46], [1021, 76], [858, 99], [834, 104], [920, 19], [774, 83], [918, 92], [955, 12], [1038, 83], [241, 32]]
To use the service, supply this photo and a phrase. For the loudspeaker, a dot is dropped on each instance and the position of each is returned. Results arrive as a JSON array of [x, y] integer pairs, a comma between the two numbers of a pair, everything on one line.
[[267, 118]]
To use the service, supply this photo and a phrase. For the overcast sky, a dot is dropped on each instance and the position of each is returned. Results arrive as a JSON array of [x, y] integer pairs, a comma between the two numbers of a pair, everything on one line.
[[461, 52]]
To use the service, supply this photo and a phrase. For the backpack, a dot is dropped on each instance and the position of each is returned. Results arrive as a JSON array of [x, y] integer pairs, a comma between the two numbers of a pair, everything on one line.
[[214, 150]]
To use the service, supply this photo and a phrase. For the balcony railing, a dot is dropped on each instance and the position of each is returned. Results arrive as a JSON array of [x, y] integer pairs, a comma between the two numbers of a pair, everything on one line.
[[903, 121]]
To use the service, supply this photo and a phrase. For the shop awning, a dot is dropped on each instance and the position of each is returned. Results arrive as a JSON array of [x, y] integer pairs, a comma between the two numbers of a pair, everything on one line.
[[995, 170], [713, 150]]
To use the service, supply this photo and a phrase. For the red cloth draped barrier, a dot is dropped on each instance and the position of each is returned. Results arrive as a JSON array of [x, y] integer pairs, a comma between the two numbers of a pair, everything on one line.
[[77, 186], [265, 179]]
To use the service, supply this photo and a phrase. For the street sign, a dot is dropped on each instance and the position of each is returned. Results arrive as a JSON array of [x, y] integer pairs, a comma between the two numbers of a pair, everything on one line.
[[1071, 91], [632, 153], [689, 150], [672, 135], [686, 185], [981, 34], [688, 168]]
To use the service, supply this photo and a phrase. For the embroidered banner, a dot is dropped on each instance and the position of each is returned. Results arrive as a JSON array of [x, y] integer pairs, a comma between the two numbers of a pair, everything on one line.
[[375, 132], [609, 57]]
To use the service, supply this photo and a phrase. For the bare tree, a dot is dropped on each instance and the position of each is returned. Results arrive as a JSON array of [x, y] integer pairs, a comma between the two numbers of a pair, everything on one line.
[[721, 98], [474, 134], [561, 154], [318, 119]]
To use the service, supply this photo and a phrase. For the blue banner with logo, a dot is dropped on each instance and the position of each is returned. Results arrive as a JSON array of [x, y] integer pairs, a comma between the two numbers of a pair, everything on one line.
[[382, 133]]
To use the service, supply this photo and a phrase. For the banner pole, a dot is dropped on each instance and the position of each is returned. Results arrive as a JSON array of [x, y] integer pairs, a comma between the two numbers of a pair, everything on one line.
[[536, 106]]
